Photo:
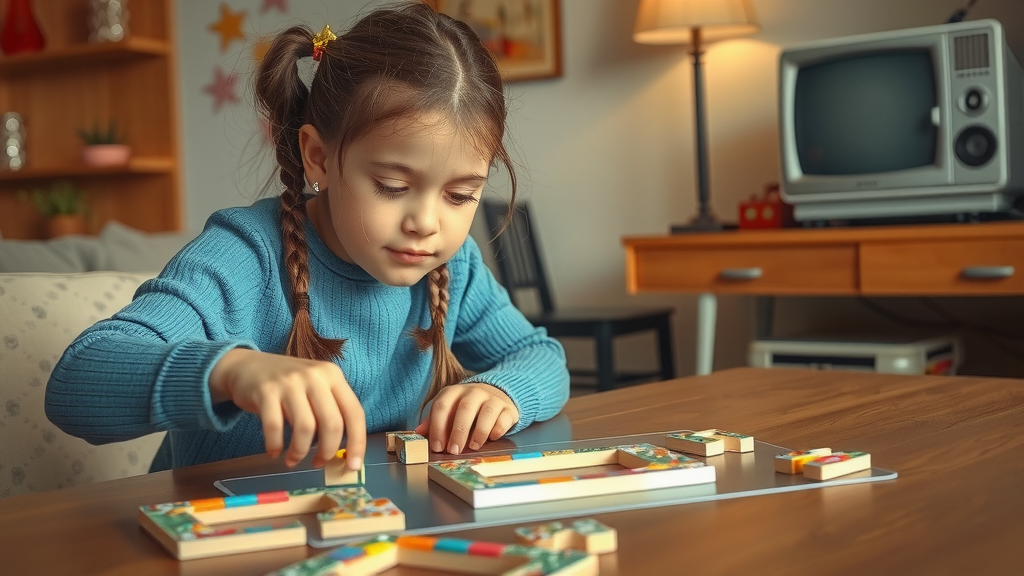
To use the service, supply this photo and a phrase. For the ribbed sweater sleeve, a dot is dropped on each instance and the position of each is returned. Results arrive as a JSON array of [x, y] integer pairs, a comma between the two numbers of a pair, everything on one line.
[[146, 369], [496, 341]]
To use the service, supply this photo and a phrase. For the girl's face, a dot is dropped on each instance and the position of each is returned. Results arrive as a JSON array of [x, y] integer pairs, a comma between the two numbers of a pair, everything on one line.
[[404, 199]]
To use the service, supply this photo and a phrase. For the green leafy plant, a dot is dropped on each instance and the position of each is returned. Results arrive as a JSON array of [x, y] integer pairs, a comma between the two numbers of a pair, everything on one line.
[[99, 135], [62, 197]]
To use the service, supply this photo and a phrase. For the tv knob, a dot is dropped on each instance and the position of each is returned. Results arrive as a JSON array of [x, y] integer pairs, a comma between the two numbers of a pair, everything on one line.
[[974, 101], [975, 145]]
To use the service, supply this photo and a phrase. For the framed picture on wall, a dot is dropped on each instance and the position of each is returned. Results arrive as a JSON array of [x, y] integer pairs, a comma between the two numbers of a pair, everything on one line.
[[524, 35]]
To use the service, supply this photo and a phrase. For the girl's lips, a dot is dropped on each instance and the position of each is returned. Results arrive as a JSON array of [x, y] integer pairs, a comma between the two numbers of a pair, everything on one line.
[[408, 257]]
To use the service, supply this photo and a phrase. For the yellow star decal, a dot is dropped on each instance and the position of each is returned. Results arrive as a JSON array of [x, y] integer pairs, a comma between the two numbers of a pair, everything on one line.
[[229, 27], [321, 39]]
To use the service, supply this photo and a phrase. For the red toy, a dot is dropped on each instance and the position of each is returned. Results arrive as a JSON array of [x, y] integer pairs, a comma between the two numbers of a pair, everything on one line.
[[768, 211]]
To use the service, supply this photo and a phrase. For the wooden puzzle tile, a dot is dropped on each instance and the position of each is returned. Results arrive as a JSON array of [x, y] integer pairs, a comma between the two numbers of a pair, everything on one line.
[[586, 534], [641, 467], [356, 512], [384, 552], [411, 449], [837, 464], [793, 462], [337, 474], [734, 442], [392, 436], [189, 529], [695, 444]]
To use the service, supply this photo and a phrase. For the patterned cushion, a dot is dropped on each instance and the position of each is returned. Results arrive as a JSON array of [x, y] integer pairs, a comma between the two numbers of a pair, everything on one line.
[[40, 314]]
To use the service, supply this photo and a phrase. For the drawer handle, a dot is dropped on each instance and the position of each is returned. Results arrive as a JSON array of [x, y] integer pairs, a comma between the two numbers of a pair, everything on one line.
[[741, 273], [988, 272]]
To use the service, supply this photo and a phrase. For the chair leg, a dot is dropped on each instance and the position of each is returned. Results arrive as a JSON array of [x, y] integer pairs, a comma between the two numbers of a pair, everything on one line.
[[604, 359], [666, 355]]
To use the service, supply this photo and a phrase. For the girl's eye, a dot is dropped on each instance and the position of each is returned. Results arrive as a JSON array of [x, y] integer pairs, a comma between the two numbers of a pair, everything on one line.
[[459, 198], [390, 191]]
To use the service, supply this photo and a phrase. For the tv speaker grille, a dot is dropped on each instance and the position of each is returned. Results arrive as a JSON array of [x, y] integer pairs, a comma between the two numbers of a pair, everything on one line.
[[970, 52]]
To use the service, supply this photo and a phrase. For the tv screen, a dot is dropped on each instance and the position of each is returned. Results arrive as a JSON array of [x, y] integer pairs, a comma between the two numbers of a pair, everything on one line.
[[866, 113]]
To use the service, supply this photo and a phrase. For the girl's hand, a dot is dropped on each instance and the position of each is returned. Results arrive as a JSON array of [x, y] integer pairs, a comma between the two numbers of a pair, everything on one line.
[[312, 396], [455, 410]]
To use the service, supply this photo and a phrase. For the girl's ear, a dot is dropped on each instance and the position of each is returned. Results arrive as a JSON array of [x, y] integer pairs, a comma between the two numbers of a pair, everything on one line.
[[314, 156]]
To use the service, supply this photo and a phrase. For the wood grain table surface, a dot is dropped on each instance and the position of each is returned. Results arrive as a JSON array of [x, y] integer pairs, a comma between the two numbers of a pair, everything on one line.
[[956, 508]]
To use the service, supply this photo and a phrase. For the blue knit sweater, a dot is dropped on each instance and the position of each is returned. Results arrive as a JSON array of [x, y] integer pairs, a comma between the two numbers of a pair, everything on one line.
[[147, 368]]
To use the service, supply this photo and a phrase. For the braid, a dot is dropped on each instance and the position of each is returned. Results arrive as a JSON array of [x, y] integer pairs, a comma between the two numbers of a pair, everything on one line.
[[446, 367], [303, 340]]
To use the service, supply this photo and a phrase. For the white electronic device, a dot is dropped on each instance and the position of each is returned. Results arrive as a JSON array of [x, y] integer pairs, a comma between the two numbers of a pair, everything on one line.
[[940, 355]]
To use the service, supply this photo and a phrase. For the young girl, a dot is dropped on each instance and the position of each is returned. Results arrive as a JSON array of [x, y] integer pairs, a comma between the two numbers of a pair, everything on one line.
[[331, 314]]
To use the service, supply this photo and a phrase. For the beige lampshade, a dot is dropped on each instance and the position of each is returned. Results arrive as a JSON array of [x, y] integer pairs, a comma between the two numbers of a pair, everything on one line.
[[671, 21]]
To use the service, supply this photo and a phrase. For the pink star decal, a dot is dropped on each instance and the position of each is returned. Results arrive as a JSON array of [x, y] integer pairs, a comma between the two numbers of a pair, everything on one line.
[[281, 5], [222, 88]]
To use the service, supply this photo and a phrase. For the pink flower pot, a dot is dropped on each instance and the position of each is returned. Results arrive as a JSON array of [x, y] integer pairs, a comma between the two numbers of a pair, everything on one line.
[[106, 154]]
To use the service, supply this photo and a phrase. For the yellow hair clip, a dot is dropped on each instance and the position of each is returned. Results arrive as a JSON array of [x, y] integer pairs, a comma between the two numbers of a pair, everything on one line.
[[320, 41]]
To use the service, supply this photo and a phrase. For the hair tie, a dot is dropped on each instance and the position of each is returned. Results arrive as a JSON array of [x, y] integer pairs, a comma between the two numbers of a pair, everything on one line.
[[320, 41], [306, 65]]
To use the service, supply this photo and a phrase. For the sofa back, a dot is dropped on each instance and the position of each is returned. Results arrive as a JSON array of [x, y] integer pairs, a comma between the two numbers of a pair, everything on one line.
[[40, 314]]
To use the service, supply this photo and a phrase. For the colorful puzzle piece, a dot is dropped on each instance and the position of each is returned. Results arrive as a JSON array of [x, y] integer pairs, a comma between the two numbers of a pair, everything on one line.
[[585, 534], [188, 529], [392, 436], [710, 442], [695, 444], [641, 467], [410, 447], [734, 442], [837, 464], [793, 462], [382, 553], [337, 474]]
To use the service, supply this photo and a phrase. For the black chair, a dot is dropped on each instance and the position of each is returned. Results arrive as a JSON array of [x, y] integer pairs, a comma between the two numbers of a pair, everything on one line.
[[518, 259]]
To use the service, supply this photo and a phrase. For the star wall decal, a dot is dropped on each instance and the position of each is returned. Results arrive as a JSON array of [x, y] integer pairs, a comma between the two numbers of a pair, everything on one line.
[[260, 47], [222, 88], [229, 27], [281, 5]]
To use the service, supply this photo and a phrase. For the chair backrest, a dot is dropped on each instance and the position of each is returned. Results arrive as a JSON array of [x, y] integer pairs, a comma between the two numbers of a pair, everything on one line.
[[517, 252], [40, 314]]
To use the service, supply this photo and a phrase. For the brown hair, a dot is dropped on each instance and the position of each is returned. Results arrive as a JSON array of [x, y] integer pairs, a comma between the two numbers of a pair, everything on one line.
[[435, 64]]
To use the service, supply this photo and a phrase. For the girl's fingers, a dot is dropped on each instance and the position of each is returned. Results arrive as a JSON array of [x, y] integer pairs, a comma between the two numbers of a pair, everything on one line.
[[441, 414], [300, 415], [485, 422], [329, 424], [273, 426], [506, 420], [465, 414], [354, 425]]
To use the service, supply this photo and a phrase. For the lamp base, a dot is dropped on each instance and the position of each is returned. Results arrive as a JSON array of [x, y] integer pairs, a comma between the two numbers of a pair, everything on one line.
[[703, 222]]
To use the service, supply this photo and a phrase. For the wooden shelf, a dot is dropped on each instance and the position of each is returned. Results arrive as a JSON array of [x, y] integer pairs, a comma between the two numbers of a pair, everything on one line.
[[142, 165], [75, 83], [93, 54]]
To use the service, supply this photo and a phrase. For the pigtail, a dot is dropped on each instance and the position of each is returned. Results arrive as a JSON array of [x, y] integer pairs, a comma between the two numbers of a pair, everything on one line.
[[282, 98], [446, 367]]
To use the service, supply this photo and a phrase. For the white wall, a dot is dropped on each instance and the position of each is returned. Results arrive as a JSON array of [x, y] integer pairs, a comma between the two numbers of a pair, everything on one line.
[[606, 150]]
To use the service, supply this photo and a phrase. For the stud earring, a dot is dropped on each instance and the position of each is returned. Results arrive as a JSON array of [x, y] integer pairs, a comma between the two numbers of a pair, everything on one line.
[[316, 187]]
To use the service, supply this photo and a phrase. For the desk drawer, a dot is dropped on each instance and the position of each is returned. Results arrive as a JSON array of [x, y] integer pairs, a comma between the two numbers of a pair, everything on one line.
[[746, 270], [980, 267]]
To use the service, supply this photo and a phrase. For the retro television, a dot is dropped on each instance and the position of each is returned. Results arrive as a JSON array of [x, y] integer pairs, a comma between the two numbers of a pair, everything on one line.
[[920, 123]]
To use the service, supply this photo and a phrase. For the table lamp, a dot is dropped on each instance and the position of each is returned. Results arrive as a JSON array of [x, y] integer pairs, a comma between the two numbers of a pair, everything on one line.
[[694, 22]]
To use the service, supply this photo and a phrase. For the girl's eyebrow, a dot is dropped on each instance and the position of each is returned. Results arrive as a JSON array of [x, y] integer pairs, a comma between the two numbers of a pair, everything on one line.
[[407, 170]]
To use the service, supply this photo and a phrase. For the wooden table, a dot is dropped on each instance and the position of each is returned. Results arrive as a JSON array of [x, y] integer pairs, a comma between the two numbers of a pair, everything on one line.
[[934, 260], [956, 508]]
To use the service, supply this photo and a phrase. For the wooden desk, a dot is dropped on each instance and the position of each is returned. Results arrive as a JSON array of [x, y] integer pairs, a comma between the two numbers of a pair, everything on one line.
[[937, 260], [956, 508]]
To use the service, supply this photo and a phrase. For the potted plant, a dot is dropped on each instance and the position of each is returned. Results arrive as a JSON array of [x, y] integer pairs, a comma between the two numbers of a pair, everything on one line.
[[103, 146], [63, 206]]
